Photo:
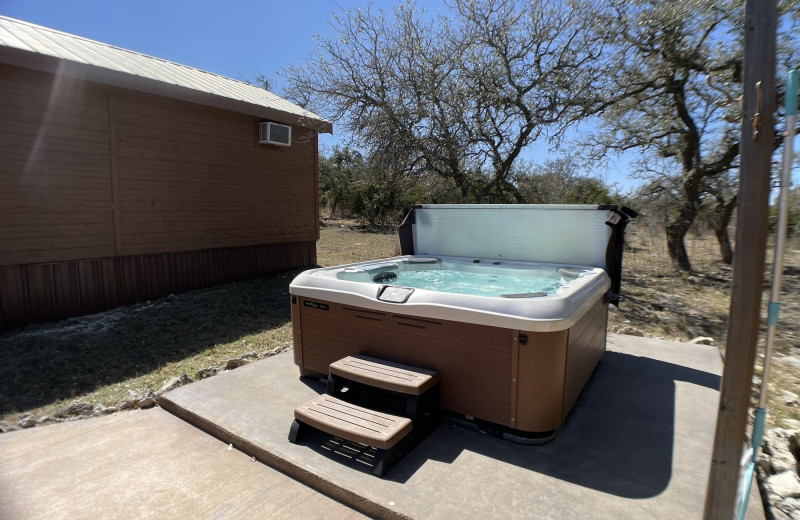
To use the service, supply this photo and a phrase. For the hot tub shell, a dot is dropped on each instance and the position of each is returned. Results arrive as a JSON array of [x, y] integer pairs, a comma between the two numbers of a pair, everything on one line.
[[518, 363]]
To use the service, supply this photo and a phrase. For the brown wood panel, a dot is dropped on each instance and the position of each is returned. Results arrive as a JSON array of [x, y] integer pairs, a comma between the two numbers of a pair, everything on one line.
[[57, 228], [198, 154], [343, 313], [297, 335], [469, 371], [463, 390], [372, 335], [154, 107], [244, 224], [158, 216], [27, 144], [200, 146], [41, 100], [484, 337], [586, 347], [51, 255], [477, 405], [192, 240], [82, 123], [168, 193], [589, 323], [33, 170], [114, 170], [48, 156], [177, 158], [57, 242], [20, 194], [71, 148], [44, 85], [168, 173], [42, 220], [13, 301], [222, 232], [144, 243], [96, 207], [20, 129], [21, 184], [137, 109], [316, 362], [159, 134], [54, 163], [159, 124], [540, 384], [44, 292]]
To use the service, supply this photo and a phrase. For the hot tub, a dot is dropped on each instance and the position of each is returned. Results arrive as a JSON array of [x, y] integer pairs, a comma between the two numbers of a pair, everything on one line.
[[508, 303]]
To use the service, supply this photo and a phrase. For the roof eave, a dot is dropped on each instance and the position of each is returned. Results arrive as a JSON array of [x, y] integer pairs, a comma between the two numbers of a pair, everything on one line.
[[83, 71]]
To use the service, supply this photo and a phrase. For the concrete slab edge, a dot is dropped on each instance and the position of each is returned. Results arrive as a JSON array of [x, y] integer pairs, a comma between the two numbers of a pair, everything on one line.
[[317, 482]]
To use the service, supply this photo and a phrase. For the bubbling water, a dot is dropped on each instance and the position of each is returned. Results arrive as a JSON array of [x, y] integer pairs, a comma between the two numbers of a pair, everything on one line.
[[477, 284]]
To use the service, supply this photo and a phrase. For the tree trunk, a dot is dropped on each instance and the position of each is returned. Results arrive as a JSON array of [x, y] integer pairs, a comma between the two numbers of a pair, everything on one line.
[[724, 214], [725, 249], [676, 231]]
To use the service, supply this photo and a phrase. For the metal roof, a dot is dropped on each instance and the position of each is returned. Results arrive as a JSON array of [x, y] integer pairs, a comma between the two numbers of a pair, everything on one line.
[[33, 46]]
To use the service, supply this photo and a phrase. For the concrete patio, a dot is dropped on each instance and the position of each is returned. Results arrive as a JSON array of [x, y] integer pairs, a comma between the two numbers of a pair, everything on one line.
[[637, 444], [143, 464]]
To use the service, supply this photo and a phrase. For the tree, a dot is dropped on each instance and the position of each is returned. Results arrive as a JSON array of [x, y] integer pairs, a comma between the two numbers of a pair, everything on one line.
[[560, 181], [366, 188], [336, 176], [260, 80], [459, 93], [653, 97], [665, 88]]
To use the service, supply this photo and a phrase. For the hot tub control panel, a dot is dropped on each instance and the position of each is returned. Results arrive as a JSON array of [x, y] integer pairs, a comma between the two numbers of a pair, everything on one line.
[[394, 294]]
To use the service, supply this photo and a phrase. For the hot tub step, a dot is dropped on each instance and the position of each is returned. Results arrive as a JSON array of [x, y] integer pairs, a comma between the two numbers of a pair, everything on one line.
[[352, 422], [389, 434], [387, 375]]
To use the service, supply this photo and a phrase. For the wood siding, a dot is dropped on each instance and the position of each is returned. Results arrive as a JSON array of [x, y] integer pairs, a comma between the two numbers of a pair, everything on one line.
[[94, 179], [193, 177], [46, 292], [55, 188]]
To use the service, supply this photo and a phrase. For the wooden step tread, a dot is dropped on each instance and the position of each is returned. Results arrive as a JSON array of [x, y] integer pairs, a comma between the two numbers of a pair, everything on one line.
[[353, 423], [385, 374]]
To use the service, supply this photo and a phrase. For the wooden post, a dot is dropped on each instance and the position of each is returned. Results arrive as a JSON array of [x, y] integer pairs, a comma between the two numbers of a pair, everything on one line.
[[751, 240]]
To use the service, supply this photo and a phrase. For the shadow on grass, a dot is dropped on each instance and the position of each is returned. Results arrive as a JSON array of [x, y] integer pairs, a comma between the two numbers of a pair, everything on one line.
[[46, 363]]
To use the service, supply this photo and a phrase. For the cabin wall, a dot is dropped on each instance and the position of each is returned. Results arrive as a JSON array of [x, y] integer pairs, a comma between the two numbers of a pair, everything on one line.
[[109, 196]]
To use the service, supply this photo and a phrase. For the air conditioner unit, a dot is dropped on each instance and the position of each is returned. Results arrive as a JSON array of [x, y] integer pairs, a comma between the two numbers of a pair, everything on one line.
[[274, 133]]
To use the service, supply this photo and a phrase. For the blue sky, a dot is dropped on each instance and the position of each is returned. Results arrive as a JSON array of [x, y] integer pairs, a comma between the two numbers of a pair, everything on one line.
[[234, 38]]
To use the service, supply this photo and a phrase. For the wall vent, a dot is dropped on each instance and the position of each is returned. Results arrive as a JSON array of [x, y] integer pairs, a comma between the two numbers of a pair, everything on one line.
[[274, 133]]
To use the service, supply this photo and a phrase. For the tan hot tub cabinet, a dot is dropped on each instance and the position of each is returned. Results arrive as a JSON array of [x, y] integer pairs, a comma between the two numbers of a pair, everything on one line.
[[519, 375]]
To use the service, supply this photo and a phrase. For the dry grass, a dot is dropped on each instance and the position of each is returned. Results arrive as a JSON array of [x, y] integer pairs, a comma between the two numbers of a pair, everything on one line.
[[100, 358], [345, 242]]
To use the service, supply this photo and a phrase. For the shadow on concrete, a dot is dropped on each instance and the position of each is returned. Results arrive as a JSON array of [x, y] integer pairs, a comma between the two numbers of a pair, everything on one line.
[[618, 439]]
